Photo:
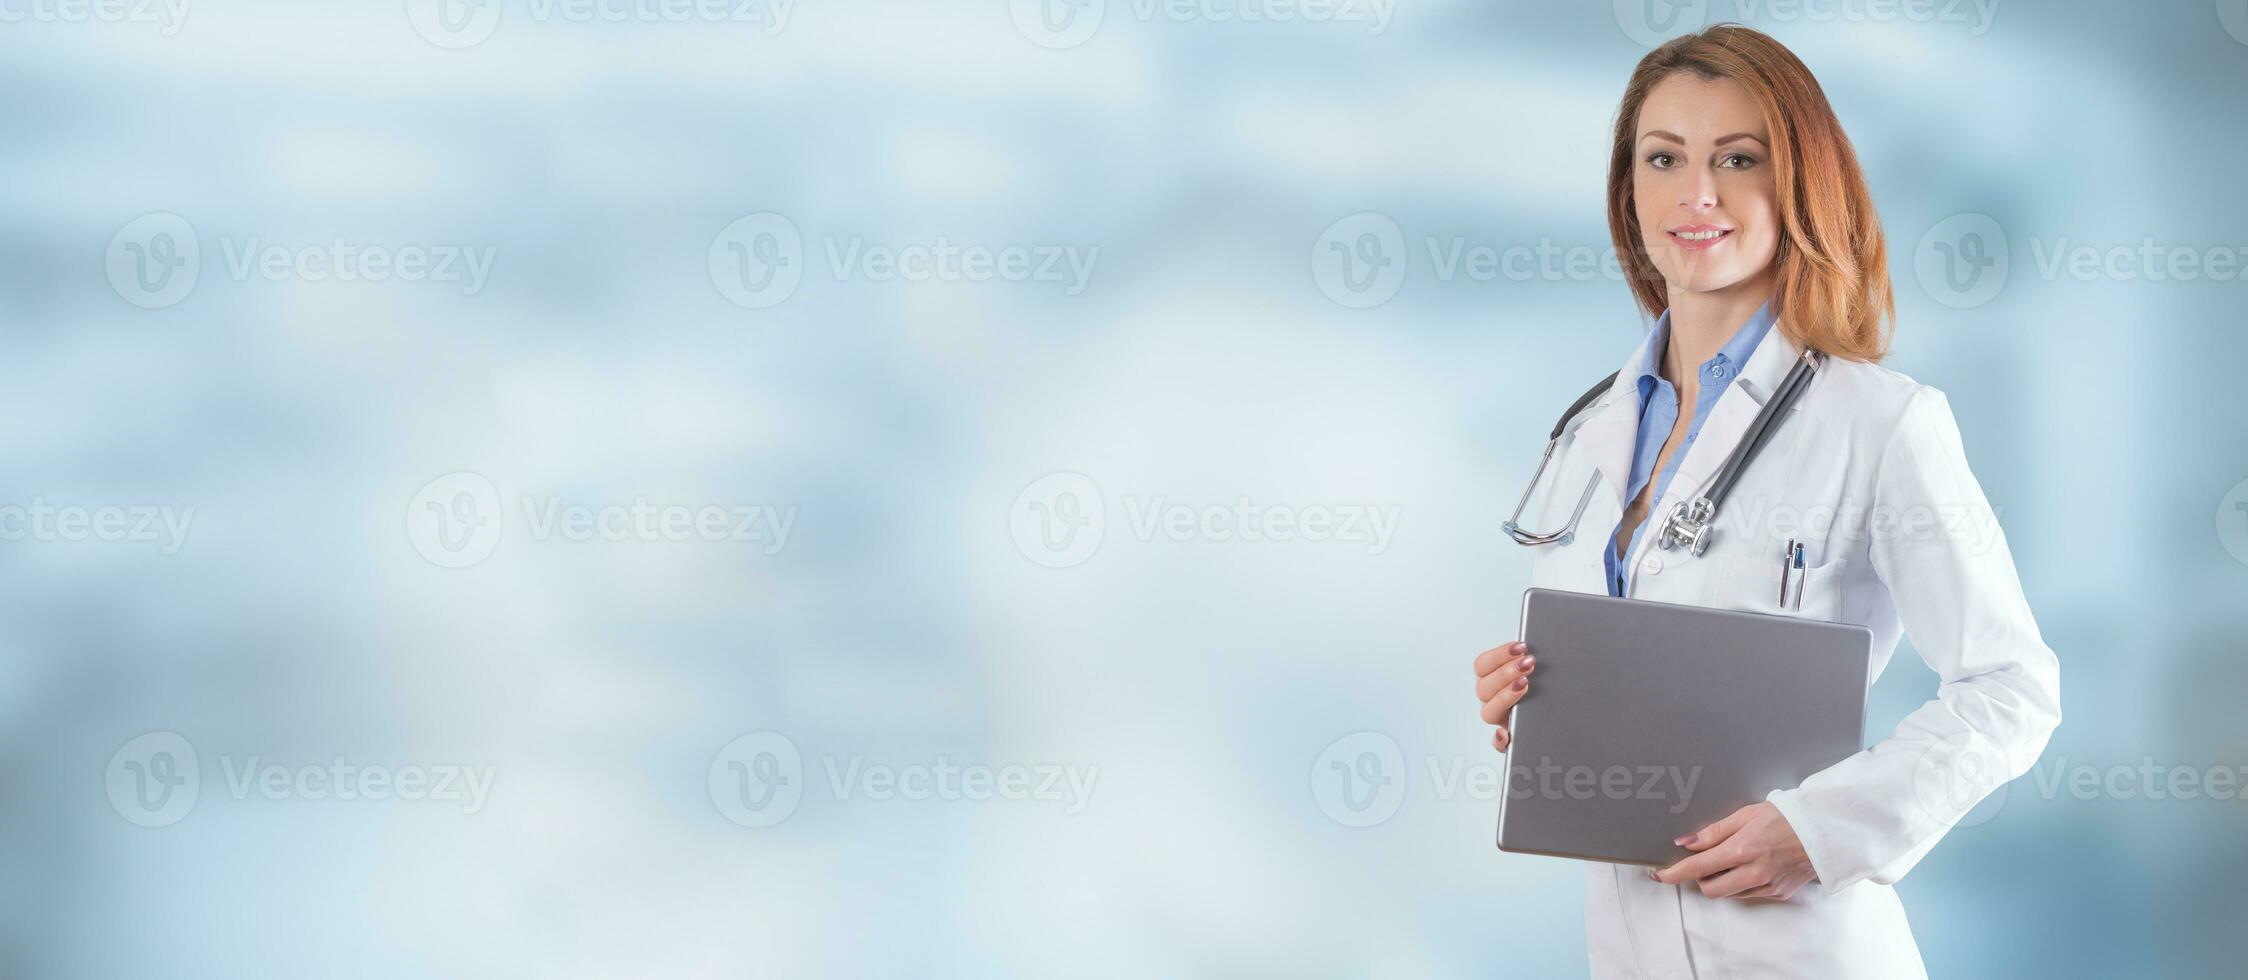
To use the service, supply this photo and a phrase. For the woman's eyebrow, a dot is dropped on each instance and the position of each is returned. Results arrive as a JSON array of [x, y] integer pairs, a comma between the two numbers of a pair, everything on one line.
[[1664, 134]]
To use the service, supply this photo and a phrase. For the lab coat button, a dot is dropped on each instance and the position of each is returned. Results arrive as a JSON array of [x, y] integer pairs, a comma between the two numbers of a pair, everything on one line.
[[1654, 565]]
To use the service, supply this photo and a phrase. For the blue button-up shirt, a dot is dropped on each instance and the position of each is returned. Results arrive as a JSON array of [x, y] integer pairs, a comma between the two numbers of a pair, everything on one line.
[[1658, 412]]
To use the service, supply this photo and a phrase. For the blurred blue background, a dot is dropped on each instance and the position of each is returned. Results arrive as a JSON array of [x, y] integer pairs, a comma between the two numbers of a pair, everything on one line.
[[873, 347]]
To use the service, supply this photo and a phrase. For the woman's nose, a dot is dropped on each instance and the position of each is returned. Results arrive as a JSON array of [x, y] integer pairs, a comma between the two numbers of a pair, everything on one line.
[[1698, 191]]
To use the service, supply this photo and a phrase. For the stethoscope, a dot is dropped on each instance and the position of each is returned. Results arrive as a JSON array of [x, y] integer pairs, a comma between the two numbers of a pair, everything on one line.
[[1688, 524]]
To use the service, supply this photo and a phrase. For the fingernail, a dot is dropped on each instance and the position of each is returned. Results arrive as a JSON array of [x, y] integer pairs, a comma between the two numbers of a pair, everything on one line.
[[1652, 876], [1528, 661], [1520, 646], [1683, 841], [1521, 682]]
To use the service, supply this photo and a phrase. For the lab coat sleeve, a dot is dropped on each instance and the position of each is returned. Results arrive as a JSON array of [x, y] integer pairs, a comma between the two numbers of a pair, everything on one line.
[[1875, 814]]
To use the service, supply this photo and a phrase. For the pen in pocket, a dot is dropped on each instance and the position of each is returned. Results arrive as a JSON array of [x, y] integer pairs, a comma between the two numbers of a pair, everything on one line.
[[1785, 553], [1799, 577]]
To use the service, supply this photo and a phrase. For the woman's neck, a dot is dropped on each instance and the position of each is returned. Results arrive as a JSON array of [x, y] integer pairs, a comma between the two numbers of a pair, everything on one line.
[[1701, 322]]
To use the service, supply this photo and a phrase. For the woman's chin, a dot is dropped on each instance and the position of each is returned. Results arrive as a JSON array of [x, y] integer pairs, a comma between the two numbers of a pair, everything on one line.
[[1707, 280]]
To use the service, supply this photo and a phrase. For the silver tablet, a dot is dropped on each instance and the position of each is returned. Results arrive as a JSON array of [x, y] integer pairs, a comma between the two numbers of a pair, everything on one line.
[[1647, 720]]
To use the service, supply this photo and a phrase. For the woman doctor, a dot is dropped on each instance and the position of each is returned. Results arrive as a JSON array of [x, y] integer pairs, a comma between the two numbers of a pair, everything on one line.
[[1737, 207]]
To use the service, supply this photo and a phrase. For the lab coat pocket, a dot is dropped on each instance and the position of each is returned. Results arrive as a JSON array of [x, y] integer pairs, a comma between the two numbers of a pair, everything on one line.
[[1749, 584]]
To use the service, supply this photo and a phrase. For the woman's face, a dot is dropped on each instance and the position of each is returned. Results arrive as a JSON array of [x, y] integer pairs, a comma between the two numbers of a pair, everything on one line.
[[1702, 186]]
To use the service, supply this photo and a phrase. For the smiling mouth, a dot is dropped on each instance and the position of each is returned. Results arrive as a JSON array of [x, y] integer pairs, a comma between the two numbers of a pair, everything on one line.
[[1699, 238]]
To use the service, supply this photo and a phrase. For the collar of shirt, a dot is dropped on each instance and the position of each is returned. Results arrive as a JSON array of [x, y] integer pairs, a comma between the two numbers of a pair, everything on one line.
[[1656, 418], [1716, 372]]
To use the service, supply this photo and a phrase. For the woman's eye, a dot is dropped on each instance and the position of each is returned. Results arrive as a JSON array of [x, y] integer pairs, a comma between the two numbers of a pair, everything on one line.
[[1738, 161], [1660, 160]]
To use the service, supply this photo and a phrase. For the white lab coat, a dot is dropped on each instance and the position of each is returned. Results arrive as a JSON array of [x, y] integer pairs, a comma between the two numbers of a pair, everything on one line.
[[1869, 473]]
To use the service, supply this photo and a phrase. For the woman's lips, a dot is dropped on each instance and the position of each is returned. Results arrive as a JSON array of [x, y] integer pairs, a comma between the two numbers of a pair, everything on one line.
[[1697, 238]]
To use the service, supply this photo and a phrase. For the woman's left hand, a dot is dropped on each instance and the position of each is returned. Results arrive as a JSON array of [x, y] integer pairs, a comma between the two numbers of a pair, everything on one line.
[[1751, 854]]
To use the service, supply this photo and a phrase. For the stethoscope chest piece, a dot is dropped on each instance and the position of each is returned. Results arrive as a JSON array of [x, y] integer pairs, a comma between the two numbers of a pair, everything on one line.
[[1688, 526]]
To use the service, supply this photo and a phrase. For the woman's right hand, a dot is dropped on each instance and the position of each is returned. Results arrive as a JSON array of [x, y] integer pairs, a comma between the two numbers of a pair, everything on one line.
[[1502, 676]]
